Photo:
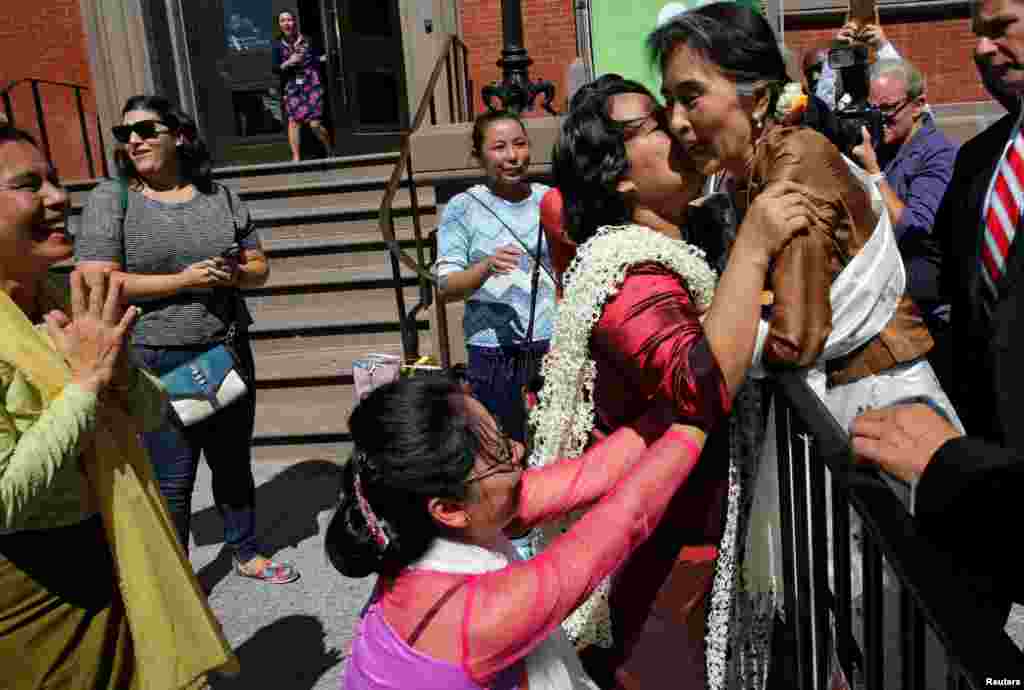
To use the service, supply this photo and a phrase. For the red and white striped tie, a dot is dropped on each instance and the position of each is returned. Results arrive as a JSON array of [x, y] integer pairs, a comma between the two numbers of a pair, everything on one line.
[[1004, 211]]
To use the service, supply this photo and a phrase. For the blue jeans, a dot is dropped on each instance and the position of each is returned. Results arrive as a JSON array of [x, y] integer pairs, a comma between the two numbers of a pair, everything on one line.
[[497, 375], [224, 439]]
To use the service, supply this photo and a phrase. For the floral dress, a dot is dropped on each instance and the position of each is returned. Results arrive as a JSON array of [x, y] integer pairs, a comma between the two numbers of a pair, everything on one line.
[[301, 88]]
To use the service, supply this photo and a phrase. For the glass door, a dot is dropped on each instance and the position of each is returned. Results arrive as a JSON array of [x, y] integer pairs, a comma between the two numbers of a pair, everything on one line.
[[366, 74]]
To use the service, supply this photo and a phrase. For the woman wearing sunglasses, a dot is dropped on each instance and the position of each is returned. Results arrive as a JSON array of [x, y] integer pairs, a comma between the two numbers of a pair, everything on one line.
[[184, 247], [433, 485]]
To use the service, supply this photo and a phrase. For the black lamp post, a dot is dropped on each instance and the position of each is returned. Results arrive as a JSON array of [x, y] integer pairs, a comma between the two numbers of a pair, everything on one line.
[[515, 91]]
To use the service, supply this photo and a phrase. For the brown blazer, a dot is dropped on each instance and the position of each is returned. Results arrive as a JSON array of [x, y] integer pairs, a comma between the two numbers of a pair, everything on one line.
[[803, 272]]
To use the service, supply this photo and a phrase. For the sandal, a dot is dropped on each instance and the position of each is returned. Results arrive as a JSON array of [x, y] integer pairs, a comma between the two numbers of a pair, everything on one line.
[[272, 572]]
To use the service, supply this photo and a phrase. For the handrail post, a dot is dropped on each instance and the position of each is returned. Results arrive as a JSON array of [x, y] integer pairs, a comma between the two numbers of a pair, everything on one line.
[[8, 108], [85, 132], [41, 120], [468, 82], [451, 93], [103, 147], [790, 499]]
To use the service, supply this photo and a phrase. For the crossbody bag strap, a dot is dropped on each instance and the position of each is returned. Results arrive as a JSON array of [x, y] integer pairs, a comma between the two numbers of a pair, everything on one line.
[[534, 285], [433, 611], [516, 236], [237, 294]]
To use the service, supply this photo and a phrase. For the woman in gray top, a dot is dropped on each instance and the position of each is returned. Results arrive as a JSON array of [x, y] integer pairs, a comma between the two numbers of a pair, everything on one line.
[[184, 246]]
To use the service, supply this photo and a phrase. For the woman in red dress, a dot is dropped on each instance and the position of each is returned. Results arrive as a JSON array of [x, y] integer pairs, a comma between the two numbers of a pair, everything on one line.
[[652, 340]]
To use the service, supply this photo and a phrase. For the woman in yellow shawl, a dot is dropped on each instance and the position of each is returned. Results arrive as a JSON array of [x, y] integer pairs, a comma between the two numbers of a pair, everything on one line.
[[94, 591]]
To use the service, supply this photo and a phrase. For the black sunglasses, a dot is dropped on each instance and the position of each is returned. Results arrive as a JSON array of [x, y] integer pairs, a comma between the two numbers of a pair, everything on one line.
[[146, 129]]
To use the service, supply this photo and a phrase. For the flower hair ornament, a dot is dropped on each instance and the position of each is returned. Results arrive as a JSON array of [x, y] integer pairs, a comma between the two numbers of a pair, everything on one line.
[[791, 104], [372, 523], [790, 100]]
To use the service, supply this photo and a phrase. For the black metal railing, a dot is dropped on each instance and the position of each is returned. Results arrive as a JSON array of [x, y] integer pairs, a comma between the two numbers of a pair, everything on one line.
[[454, 62], [930, 585], [39, 111]]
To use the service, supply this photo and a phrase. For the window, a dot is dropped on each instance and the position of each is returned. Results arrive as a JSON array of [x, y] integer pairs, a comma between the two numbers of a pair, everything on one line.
[[249, 24]]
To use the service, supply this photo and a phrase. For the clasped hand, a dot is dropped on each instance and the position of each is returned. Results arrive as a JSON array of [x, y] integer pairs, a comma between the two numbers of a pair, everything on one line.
[[92, 340], [214, 272]]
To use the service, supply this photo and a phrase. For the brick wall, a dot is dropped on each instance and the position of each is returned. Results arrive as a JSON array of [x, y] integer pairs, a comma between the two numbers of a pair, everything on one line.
[[46, 40], [941, 49], [549, 33]]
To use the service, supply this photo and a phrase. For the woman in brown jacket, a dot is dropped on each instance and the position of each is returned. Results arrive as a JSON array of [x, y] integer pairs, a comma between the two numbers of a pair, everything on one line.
[[839, 309]]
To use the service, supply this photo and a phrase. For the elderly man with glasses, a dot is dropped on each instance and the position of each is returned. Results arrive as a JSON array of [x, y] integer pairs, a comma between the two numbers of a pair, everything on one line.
[[912, 167]]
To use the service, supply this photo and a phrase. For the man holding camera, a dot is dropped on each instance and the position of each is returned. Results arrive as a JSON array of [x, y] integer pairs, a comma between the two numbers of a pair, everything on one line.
[[912, 167]]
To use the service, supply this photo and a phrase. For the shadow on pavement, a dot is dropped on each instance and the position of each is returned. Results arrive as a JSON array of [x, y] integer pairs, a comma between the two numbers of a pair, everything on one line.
[[288, 653], [287, 506]]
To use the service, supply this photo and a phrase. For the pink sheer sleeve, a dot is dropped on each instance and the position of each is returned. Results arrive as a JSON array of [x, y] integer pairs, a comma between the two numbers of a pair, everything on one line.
[[567, 485], [509, 612]]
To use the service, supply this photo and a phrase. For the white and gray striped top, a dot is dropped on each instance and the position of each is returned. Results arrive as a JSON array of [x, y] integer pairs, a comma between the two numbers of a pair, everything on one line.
[[152, 237]]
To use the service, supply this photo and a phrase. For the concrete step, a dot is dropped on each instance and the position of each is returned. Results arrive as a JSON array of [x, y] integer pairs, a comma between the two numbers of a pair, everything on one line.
[[281, 173], [340, 224], [314, 413], [331, 311], [305, 172], [300, 360], [291, 453], [362, 194]]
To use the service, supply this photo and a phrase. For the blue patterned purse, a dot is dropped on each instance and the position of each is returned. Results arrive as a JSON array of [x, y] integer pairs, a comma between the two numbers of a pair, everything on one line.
[[203, 385], [200, 387]]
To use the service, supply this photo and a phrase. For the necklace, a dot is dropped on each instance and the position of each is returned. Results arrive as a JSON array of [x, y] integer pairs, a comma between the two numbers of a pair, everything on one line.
[[564, 417]]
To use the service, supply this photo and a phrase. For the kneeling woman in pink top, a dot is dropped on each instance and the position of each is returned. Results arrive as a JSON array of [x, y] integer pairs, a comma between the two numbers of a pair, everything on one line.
[[431, 487]]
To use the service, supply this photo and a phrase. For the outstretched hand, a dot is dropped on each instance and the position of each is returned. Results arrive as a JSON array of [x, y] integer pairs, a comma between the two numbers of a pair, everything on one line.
[[901, 439], [92, 339]]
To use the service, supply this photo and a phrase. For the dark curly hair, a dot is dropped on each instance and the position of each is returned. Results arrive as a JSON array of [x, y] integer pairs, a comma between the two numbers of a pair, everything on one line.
[[194, 157], [411, 445], [590, 158]]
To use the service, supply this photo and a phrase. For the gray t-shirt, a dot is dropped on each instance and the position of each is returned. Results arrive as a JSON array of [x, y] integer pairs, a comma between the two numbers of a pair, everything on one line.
[[152, 237]]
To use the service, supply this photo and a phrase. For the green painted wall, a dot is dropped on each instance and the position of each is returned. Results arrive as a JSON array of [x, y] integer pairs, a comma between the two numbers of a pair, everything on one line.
[[620, 28]]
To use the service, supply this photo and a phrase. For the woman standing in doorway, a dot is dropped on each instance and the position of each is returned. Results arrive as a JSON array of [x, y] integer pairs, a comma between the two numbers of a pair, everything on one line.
[[297, 63]]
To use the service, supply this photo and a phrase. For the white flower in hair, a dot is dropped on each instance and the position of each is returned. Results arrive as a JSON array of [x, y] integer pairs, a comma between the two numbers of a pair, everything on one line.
[[791, 104]]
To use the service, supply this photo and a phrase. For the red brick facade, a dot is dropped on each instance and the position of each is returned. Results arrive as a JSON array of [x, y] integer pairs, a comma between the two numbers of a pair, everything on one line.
[[549, 34], [46, 40], [941, 49]]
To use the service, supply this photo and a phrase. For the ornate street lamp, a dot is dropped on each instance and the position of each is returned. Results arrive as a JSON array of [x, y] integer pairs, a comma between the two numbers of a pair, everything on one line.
[[515, 91]]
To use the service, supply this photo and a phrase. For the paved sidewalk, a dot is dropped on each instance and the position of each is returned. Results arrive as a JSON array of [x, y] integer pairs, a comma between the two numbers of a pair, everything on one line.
[[290, 636], [296, 636]]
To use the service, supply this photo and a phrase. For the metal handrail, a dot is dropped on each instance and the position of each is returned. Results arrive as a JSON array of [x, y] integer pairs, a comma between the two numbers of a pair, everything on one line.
[[44, 136], [460, 106], [934, 588]]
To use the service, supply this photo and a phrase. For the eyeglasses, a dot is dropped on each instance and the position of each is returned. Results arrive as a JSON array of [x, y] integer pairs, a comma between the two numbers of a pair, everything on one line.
[[638, 126], [146, 129], [889, 112], [502, 458], [31, 183]]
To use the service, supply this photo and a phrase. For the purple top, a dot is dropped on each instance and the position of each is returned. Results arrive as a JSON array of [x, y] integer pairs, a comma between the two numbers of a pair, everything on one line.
[[919, 173], [381, 660]]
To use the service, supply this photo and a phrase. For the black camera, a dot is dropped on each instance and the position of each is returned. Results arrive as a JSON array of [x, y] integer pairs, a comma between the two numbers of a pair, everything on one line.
[[853, 111]]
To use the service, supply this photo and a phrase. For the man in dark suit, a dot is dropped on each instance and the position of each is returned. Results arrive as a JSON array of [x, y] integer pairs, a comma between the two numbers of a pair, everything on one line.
[[970, 488]]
